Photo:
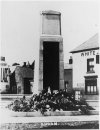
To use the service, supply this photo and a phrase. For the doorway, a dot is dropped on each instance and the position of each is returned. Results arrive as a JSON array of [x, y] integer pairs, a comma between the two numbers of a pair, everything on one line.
[[51, 65], [27, 89]]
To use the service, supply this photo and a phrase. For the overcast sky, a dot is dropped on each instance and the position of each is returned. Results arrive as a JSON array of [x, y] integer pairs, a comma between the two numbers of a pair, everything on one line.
[[20, 26]]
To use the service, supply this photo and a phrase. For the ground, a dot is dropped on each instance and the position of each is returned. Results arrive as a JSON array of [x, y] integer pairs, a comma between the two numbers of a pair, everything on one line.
[[58, 125], [47, 122]]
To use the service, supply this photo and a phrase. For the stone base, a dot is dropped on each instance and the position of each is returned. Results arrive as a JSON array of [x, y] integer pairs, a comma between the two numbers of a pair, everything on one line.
[[59, 113]]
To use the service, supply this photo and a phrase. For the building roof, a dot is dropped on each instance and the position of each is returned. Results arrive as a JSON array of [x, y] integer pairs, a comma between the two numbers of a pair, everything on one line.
[[92, 43], [68, 66]]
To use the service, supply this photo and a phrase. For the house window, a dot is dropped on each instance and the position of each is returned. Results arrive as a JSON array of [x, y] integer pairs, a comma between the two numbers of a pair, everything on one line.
[[5, 75], [90, 65], [77, 95], [90, 85], [97, 59]]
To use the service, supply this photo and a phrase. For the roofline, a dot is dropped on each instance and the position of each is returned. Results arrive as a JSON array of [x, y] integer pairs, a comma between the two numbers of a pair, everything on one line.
[[51, 12], [96, 48]]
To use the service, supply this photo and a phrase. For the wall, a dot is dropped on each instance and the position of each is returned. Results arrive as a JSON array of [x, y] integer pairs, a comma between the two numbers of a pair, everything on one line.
[[51, 24], [68, 77], [80, 68], [4, 77], [20, 74], [19, 80]]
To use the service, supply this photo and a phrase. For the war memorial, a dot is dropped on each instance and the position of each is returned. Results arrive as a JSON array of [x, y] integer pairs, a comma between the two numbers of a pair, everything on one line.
[[50, 69], [44, 108]]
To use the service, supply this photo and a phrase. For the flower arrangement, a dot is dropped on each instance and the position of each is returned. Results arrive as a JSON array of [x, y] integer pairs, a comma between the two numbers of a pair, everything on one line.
[[55, 101]]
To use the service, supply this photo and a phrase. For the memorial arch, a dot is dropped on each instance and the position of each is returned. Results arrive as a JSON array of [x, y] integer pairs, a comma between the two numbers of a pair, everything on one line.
[[51, 59]]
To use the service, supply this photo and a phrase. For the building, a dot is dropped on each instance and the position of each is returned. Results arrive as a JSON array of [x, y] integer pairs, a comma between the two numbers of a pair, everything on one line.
[[86, 60], [21, 80], [68, 75], [4, 76]]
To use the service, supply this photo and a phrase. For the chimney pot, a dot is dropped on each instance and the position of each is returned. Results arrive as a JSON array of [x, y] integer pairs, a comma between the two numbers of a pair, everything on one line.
[[70, 60], [24, 65]]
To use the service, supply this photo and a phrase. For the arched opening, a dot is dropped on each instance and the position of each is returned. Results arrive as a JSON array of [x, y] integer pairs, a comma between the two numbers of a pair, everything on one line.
[[51, 65]]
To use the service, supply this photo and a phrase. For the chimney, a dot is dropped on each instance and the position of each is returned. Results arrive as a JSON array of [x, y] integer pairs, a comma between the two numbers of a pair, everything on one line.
[[24, 64], [28, 64], [70, 60]]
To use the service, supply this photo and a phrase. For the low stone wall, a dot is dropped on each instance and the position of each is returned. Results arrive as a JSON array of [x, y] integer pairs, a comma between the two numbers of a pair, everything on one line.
[[63, 113], [94, 112], [60, 113], [25, 114]]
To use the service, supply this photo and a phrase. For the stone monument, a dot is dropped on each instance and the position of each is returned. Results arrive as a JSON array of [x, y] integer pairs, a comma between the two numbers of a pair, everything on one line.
[[51, 59]]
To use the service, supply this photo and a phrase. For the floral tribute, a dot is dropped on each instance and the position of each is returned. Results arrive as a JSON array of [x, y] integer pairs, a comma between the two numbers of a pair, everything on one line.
[[47, 101]]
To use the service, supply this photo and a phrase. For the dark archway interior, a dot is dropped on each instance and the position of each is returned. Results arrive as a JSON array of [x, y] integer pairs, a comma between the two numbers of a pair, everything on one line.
[[27, 85], [51, 65]]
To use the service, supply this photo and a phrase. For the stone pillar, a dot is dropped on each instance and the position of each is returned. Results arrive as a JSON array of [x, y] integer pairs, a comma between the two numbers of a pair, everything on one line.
[[1, 73], [61, 66]]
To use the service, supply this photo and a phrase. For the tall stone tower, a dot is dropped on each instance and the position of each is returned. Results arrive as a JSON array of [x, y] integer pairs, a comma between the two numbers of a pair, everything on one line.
[[51, 59]]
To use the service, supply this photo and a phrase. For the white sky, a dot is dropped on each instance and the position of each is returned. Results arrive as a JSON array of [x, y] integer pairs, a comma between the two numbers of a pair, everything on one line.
[[20, 26]]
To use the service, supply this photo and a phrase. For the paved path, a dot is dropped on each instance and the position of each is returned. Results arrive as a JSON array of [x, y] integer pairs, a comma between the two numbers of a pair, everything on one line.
[[48, 119], [5, 118]]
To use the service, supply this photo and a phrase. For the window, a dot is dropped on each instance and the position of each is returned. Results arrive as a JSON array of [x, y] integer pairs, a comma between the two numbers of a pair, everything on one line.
[[90, 65], [5, 75], [90, 85], [97, 59], [77, 95]]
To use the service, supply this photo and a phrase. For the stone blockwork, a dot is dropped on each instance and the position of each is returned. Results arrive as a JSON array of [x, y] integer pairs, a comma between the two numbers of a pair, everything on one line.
[[50, 33], [21, 73], [51, 23], [58, 39]]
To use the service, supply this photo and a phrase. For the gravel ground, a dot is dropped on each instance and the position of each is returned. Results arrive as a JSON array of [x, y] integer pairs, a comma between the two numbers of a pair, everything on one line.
[[54, 125]]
